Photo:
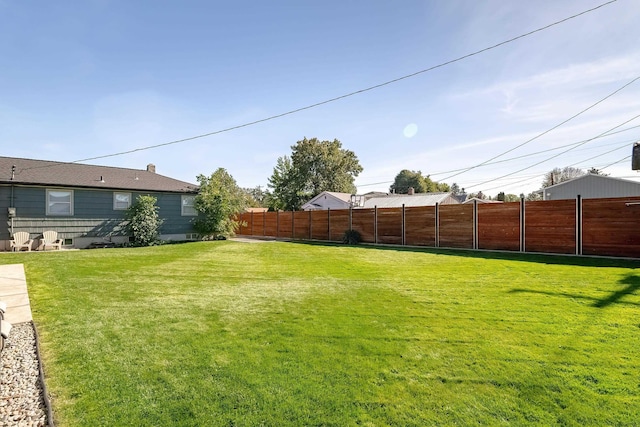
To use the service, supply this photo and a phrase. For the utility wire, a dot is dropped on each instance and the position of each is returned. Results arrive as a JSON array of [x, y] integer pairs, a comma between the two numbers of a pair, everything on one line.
[[543, 133], [370, 88], [617, 143], [616, 162], [557, 155]]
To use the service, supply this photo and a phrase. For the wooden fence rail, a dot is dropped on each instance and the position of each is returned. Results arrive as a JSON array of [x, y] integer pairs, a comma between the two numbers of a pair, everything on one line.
[[606, 227]]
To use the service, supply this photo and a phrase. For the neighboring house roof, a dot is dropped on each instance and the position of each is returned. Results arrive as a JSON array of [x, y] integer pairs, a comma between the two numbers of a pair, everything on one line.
[[471, 200], [50, 173], [591, 186], [319, 202], [418, 199]]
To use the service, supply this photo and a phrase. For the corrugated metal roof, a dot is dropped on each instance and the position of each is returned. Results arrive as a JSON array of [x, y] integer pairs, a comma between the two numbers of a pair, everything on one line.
[[50, 173], [397, 200]]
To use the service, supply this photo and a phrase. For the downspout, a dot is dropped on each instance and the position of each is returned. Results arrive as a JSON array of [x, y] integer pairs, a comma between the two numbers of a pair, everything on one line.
[[13, 174]]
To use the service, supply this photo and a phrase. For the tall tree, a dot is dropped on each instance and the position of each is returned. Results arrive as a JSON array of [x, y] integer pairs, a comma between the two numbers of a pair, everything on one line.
[[557, 175], [219, 200], [285, 194], [314, 166], [421, 184]]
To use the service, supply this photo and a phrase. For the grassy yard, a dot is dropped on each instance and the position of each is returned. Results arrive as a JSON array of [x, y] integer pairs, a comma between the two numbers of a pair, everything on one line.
[[286, 334]]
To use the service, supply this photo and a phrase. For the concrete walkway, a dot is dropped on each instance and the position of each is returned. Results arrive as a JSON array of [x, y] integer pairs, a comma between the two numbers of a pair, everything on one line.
[[13, 291]]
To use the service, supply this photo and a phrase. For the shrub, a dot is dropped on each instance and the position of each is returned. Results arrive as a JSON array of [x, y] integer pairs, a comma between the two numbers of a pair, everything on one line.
[[351, 237], [144, 221]]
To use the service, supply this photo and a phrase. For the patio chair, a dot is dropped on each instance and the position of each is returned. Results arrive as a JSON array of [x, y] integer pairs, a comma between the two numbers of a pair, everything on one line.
[[50, 238], [21, 241]]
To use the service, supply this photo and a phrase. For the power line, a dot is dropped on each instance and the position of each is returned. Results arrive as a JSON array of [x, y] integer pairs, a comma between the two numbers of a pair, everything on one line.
[[579, 143], [545, 132], [370, 88], [535, 153], [557, 155], [624, 159]]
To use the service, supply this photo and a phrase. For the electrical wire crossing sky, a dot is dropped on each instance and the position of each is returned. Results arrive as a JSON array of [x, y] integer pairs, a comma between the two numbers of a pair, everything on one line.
[[429, 86]]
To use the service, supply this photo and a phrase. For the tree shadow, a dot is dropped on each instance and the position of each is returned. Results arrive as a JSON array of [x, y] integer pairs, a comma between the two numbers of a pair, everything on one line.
[[631, 282]]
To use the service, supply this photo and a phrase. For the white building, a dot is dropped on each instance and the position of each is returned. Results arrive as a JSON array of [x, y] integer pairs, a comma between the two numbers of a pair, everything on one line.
[[592, 187]]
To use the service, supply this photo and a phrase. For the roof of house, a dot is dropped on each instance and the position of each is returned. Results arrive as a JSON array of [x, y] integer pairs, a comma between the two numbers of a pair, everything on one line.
[[475, 199], [591, 176], [345, 197], [418, 199], [50, 173]]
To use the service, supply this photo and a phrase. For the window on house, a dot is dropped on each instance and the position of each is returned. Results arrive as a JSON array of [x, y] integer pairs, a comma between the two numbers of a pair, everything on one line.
[[121, 201], [188, 206], [60, 202]]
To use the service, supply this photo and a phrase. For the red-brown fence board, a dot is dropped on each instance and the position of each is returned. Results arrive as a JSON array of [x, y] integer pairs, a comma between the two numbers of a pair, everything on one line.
[[270, 224], [551, 226], [285, 224], [339, 224], [301, 225], [499, 226], [456, 226], [320, 225], [390, 226], [245, 223], [420, 226], [611, 227], [362, 220]]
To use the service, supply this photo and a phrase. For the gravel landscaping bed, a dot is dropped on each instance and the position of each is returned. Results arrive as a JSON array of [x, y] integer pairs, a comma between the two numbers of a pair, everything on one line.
[[22, 401]]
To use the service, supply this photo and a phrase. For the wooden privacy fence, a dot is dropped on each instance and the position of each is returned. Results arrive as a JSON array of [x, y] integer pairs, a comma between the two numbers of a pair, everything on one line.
[[607, 227]]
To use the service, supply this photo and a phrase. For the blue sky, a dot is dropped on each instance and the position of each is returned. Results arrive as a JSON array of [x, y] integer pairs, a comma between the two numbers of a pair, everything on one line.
[[82, 79]]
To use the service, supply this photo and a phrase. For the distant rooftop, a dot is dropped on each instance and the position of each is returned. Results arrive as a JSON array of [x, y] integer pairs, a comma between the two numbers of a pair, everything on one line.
[[418, 199]]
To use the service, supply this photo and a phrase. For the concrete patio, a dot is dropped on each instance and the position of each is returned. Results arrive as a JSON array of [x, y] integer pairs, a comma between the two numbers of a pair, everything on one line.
[[13, 291]]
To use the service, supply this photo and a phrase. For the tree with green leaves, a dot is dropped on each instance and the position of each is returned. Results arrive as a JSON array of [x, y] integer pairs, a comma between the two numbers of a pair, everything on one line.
[[507, 197], [313, 167], [219, 201], [143, 221], [414, 179]]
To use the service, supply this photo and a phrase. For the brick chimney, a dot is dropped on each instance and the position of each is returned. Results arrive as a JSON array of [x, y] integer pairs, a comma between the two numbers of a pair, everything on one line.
[[411, 191], [151, 168]]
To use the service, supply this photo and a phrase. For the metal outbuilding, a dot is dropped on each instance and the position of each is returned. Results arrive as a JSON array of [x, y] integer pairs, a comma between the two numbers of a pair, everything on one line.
[[592, 186]]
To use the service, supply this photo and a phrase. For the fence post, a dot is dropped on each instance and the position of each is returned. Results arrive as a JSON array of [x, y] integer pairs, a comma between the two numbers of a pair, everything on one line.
[[329, 224], [375, 224], [293, 225], [437, 242], [403, 226], [264, 223], [475, 224], [523, 223], [310, 230], [252, 223], [277, 224], [579, 225]]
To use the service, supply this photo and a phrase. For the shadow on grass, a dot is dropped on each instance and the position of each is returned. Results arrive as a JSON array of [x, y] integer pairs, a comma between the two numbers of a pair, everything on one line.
[[555, 259], [631, 281]]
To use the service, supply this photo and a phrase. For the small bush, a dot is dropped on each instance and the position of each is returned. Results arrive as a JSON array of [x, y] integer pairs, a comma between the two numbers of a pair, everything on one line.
[[351, 237], [143, 221]]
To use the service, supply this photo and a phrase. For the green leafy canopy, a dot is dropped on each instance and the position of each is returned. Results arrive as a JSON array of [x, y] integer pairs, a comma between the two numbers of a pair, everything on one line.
[[220, 199]]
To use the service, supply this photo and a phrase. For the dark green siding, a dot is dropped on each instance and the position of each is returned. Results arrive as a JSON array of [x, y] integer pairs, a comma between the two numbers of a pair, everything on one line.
[[93, 213]]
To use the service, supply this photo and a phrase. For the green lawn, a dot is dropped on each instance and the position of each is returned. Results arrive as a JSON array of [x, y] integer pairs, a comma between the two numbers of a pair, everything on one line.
[[286, 334]]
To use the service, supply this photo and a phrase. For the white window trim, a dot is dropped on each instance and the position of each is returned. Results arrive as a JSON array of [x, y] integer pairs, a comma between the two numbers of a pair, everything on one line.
[[115, 194], [49, 213], [182, 206]]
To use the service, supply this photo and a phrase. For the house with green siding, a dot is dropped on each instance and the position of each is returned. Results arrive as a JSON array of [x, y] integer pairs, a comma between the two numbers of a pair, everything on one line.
[[86, 204]]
